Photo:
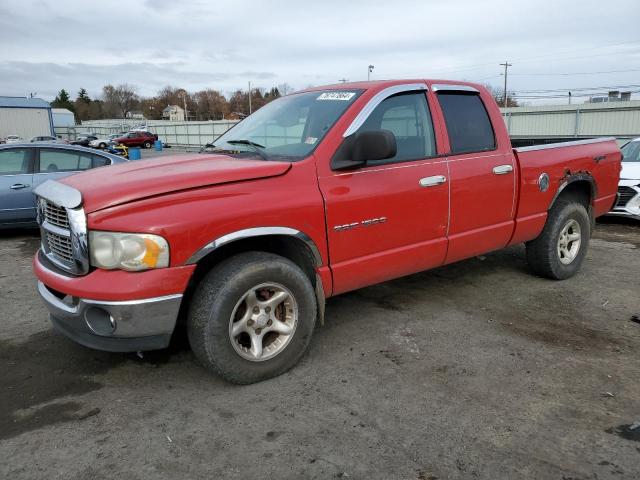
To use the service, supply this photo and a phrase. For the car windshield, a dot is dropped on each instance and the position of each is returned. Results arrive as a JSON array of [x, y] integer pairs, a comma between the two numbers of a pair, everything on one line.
[[631, 152], [288, 128]]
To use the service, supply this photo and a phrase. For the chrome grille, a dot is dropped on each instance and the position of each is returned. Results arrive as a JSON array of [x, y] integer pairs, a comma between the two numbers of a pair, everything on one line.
[[60, 246], [624, 195], [64, 234], [56, 215]]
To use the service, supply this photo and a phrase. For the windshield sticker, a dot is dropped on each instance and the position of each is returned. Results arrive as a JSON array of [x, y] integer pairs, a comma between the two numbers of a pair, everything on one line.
[[310, 140], [344, 96]]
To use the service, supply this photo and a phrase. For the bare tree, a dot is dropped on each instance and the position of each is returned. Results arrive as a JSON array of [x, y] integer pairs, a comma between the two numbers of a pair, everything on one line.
[[285, 89], [120, 100]]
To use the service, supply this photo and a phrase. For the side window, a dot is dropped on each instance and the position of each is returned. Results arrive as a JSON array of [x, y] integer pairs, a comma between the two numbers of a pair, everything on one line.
[[407, 116], [15, 161], [52, 161], [100, 161], [468, 122]]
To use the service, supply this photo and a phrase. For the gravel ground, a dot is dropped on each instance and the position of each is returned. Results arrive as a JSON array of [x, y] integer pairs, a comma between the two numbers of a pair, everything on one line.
[[474, 370]]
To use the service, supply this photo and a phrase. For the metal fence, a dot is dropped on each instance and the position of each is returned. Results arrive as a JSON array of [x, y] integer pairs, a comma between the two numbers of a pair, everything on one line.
[[179, 134]]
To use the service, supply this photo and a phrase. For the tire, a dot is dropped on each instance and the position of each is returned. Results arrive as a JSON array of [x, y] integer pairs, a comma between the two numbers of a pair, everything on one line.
[[102, 146], [222, 302], [554, 257], [146, 145]]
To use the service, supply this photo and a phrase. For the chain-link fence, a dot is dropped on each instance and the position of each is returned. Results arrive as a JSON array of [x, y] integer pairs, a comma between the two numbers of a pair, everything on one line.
[[179, 134]]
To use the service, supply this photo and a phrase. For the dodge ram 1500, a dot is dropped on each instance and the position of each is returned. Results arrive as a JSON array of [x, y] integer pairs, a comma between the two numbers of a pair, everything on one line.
[[317, 193]]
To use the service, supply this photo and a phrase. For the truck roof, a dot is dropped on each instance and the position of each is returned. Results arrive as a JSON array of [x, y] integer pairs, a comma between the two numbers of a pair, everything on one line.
[[389, 83]]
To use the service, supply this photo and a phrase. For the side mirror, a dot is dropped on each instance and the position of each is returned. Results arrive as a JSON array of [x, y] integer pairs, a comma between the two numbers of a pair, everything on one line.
[[355, 151]]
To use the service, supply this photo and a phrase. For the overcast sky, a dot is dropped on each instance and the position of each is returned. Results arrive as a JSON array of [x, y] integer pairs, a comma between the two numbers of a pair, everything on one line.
[[49, 45]]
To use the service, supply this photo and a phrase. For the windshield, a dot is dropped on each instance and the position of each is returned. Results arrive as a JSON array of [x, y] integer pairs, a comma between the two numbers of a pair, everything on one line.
[[288, 128], [631, 152]]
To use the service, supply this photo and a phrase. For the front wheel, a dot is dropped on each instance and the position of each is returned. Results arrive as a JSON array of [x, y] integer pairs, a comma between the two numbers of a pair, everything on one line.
[[102, 146], [146, 145], [252, 317], [560, 249]]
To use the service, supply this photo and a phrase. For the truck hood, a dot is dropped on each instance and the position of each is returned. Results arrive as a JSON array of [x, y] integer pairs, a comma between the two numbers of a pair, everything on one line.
[[630, 171], [117, 184]]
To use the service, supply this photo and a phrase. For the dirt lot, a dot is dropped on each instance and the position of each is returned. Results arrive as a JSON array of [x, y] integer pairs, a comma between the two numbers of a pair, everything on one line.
[[475, 370]]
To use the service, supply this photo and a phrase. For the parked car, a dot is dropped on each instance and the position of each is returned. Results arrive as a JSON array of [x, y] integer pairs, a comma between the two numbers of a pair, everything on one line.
[[47, 139], [316, 194], [13, 139], [84, 139], [628, 203], [137, 139], [103, 142], [25, 166]]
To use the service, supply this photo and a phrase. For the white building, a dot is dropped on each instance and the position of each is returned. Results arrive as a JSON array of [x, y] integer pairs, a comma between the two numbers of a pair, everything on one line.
[[63, 117], [173, 113], [25, 117]]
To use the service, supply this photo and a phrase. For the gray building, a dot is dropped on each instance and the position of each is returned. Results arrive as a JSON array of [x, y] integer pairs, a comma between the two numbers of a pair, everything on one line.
[[25, 117]]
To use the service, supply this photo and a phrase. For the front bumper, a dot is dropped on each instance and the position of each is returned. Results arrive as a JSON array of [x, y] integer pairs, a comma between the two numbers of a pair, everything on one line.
[[120, 326], [628, 200]]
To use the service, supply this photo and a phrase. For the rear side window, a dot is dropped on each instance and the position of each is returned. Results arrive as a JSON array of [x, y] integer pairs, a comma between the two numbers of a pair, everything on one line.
[[468, 122], [52, 161], [14, 161], [99, 161]]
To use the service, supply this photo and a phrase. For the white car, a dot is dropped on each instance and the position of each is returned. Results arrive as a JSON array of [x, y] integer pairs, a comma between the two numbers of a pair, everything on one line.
[[47, 139], [628, 203], [103, 142], [14, 139]]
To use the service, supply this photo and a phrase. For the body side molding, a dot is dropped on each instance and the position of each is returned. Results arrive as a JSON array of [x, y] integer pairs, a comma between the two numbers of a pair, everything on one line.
[[256, 232]]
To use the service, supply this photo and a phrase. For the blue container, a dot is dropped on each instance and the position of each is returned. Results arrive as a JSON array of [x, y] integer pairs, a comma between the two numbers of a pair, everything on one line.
[[158, 145], [134, 153]]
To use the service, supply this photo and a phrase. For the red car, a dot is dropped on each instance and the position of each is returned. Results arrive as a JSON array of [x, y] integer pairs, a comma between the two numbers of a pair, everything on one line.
[[315, 194], [137, 139]]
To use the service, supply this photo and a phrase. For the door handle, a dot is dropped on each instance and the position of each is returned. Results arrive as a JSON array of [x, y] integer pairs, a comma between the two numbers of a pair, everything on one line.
[[432, 181], [502, 169], [18, 186]]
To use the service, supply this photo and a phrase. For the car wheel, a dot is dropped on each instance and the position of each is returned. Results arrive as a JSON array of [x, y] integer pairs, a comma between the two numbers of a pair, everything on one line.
[[147, 145], [560, 249], [102, 146], [252, 317]]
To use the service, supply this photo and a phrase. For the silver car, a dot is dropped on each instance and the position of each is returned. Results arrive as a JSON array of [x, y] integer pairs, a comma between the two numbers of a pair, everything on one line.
[[24, 166], [628, 203]]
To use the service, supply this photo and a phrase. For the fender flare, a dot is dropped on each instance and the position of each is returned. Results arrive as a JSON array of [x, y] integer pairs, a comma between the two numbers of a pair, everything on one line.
[[256, 232], [572, 178]]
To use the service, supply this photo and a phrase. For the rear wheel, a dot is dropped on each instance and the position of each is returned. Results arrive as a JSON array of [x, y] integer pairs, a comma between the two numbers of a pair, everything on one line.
[[252, 317], [146, 145], [560, 249], [102, 146]]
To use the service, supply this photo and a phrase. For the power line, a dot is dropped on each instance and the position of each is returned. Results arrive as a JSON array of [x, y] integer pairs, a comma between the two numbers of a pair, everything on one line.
[[571, 74]]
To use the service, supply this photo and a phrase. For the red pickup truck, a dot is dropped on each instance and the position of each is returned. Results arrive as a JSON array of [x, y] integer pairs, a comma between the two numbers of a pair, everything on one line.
[[137, 139], [317, 193]]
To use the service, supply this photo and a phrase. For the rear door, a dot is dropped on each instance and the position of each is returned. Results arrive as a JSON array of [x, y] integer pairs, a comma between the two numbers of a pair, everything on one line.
[[389, 218], [17, 204], [482, 175]]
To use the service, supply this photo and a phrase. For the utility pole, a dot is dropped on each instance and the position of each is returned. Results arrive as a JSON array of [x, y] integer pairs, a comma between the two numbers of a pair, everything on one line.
[[369, 70], [249, 98], [343, 80], [184, 100], [506, 65]]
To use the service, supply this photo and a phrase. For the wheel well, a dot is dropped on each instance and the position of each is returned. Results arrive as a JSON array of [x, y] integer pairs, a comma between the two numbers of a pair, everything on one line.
[[286, 246], [579, 190]]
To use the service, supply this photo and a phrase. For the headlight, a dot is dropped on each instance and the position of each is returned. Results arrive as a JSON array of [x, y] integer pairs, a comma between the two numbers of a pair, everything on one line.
[[128, 251]]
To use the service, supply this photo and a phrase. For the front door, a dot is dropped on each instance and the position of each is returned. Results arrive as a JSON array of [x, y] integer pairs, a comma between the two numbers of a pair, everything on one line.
[[17, 203], [389, 218]]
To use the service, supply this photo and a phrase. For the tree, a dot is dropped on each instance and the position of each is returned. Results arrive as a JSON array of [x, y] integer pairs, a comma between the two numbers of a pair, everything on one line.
[[498, 95], [284, 89], [120, 99], [62, 101], [83, 96]]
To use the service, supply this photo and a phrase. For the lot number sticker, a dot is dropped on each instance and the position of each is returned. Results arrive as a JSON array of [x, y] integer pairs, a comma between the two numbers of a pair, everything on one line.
[[344, 96]]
